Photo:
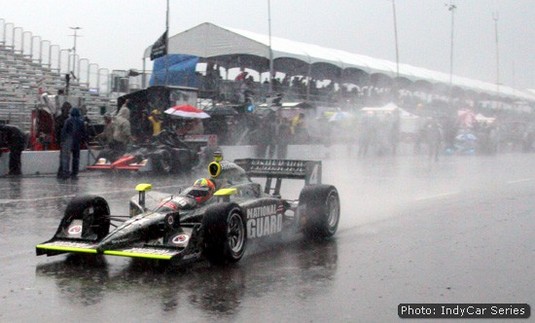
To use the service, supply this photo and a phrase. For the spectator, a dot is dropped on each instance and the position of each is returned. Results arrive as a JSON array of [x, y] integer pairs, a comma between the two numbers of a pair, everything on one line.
[[394, 130], [283, 137], [106, 136], [299, 128], [242, 76], [59, 122], [260, 141], [263, 135], [145, 128], [73, 135], [121, 130], [194, 127], [14, 139], [367, 133], [156, 121], [270, 125], [433, 137], [90, 129]]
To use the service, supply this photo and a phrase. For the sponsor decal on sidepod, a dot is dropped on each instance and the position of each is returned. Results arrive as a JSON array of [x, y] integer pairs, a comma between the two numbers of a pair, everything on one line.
[[263, 221]]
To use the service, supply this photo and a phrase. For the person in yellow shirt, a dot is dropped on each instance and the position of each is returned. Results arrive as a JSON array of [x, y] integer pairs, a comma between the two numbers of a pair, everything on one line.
[[298, 129], [156, 121]]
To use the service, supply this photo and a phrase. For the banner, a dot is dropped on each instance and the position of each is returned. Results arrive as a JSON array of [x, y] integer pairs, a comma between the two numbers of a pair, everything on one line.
[[159, 48], [175, 69]]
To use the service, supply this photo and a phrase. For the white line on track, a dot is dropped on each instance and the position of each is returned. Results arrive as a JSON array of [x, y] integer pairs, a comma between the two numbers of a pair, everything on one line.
[[436, 196]]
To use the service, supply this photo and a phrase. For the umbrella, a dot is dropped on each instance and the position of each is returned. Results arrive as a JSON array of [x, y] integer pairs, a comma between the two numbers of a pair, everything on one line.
[[186, 111], [466, 137], [221, 111]]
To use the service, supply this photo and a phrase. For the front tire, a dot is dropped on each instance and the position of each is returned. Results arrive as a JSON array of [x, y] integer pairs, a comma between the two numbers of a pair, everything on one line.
[[224, 233], [319, 211], [86, 217]]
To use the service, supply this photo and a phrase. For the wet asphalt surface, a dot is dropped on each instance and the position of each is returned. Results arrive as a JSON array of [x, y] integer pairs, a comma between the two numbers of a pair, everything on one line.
[[457, 231]]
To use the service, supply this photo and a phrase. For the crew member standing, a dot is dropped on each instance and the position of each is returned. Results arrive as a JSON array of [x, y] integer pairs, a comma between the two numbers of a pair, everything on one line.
[[106, 136], [59, 122], [283, 137], [73, 135], [156, 121], [13, 138], [121, 130]]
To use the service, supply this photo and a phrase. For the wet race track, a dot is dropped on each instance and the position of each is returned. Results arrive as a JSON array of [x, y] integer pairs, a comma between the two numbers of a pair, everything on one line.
[[457, 231]]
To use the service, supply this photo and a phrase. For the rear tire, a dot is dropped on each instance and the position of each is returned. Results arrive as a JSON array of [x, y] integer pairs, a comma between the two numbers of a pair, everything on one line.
[[319, 211], [93, 214], [224, 233], [162, 164]]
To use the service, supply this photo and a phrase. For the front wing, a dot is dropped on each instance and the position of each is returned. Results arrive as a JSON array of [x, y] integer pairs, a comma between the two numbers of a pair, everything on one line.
[[55, 247]]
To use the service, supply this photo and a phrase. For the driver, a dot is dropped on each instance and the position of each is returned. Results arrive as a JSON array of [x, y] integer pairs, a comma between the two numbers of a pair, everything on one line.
[[202, 190]]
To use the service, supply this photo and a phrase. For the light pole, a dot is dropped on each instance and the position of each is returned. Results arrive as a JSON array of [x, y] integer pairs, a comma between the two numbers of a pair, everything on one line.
[[451, 8], [396, 36], [271, 76], [495, 18], [396, 90], [74, 47]]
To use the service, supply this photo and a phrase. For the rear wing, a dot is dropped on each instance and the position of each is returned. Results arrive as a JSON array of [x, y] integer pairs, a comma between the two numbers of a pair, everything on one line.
[[309, 170]]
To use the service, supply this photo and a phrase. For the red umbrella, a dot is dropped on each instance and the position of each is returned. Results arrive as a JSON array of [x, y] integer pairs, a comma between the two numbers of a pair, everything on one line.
[[187, 111]]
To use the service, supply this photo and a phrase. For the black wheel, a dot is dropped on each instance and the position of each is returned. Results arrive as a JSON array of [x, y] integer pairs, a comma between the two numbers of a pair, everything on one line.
[[176, 166], [162, 162], [224, 233], [86, 217], [319, 209]]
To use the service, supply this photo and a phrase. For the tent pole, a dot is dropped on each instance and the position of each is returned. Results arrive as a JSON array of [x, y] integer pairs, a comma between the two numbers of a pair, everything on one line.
[[144, 75], [166, 45], [271, 74]]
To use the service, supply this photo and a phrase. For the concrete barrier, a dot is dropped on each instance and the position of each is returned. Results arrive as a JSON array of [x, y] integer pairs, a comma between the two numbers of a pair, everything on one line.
[[42, 162], [47, 162]]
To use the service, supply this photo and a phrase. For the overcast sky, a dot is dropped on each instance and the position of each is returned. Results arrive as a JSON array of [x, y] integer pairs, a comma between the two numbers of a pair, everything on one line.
[[115, 33]]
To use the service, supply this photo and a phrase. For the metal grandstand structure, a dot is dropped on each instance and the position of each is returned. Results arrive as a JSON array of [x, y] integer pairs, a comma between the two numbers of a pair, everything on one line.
[[31, 66]]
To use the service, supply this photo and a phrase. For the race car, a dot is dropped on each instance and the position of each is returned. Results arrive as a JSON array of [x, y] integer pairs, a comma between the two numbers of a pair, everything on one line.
[[216, 218], [164, 154]]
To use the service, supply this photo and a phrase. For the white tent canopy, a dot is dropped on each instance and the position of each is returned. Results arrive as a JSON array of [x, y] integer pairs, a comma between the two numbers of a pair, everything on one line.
[[238, 48]]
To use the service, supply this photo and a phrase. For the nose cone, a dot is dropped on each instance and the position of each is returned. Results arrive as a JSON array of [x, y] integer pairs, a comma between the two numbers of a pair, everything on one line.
[[119, 239], [142, 228]]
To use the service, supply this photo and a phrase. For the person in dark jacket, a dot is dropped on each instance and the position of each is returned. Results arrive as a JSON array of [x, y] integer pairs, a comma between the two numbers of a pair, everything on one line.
[[73, 135], [14, 139], [59, 122]]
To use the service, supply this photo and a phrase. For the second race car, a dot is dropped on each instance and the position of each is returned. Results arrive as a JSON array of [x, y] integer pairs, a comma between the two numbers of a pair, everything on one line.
[[164, 154]]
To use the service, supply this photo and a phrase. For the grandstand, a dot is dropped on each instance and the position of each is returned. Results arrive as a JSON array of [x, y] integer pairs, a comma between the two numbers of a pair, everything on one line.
[[22, 81]]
